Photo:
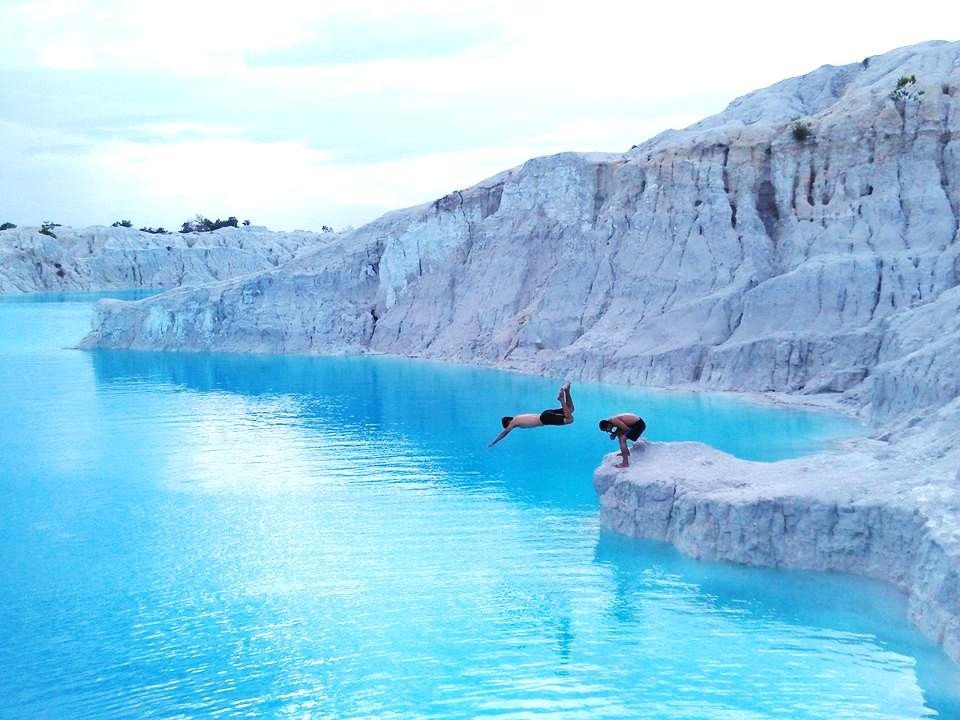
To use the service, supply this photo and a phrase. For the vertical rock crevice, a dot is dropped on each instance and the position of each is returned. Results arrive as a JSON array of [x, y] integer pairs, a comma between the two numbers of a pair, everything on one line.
[[765, 195], [731, 198]]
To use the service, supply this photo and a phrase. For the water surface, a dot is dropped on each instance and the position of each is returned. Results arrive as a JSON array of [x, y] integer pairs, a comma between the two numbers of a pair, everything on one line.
[[211, 535]]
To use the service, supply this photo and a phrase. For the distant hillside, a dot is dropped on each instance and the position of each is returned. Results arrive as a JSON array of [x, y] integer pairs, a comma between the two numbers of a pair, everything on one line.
[[109, 258]]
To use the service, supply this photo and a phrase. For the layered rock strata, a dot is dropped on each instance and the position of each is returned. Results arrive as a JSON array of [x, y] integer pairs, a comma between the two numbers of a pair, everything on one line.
[[109, 258], [867, 509], [729, 255]]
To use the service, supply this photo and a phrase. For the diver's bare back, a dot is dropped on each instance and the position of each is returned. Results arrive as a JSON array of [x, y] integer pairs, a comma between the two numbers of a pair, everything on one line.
[[527, 420]]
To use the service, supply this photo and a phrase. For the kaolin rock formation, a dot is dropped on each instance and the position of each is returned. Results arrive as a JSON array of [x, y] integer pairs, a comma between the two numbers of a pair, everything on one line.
[[730, 255], [106, 258], [868, 509]]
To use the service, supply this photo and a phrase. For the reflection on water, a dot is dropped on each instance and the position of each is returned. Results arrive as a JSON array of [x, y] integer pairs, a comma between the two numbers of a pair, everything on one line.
[[83, 298], [189, 535], [461, 399]]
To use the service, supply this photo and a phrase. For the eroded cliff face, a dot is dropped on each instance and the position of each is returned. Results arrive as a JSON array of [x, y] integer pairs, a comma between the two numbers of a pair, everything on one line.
[[106, 258], [729, 255]]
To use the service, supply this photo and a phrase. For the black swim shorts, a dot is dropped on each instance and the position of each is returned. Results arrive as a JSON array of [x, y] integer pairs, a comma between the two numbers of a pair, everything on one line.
[[552, 417], [636, 430]]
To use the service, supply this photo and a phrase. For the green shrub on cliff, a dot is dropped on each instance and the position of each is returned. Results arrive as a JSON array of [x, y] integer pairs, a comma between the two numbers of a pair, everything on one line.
[[906, 89], [205, 224], [47, 228], [801, 130]]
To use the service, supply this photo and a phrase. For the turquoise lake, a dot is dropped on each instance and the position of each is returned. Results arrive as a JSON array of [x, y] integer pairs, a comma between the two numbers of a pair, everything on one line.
[[226, 536]]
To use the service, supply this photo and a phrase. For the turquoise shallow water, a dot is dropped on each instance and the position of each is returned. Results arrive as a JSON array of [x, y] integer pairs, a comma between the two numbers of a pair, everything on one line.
[[222, 536]]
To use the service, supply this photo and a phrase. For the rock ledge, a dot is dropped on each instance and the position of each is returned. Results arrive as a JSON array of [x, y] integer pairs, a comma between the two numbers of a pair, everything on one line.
[[849, 511]]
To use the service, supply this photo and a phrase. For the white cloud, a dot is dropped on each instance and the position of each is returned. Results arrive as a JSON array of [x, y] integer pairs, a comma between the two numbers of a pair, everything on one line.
[[283, 185], [70, 52], [417, 118], [43, 11]]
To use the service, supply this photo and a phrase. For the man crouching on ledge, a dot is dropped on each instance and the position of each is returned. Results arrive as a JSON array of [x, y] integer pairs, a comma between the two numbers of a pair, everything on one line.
[[558, 416], [623, 427]]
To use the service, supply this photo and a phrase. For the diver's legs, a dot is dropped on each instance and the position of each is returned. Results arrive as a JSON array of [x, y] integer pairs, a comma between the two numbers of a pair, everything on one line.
[[566, 400]]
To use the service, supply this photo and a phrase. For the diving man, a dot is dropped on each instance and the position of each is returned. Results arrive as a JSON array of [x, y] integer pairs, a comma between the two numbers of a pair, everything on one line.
[[562, 415]]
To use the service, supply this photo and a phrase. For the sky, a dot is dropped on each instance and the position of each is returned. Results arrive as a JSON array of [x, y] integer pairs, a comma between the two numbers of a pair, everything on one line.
[[298, 114]]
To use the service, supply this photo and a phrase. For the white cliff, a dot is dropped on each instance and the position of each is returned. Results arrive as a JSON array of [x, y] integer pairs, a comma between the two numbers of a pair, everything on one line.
[[107, 258], [729, 255], [735, 255], [882, 509]]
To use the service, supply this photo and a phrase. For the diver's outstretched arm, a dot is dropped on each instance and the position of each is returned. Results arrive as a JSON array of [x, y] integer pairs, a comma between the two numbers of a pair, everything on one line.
[[501, 436]]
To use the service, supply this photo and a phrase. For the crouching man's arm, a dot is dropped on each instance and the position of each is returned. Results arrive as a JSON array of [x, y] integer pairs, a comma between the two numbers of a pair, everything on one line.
[[624, 453]]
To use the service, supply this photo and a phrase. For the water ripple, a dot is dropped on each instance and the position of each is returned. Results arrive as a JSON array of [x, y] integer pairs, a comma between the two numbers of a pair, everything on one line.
[[236, 537]]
